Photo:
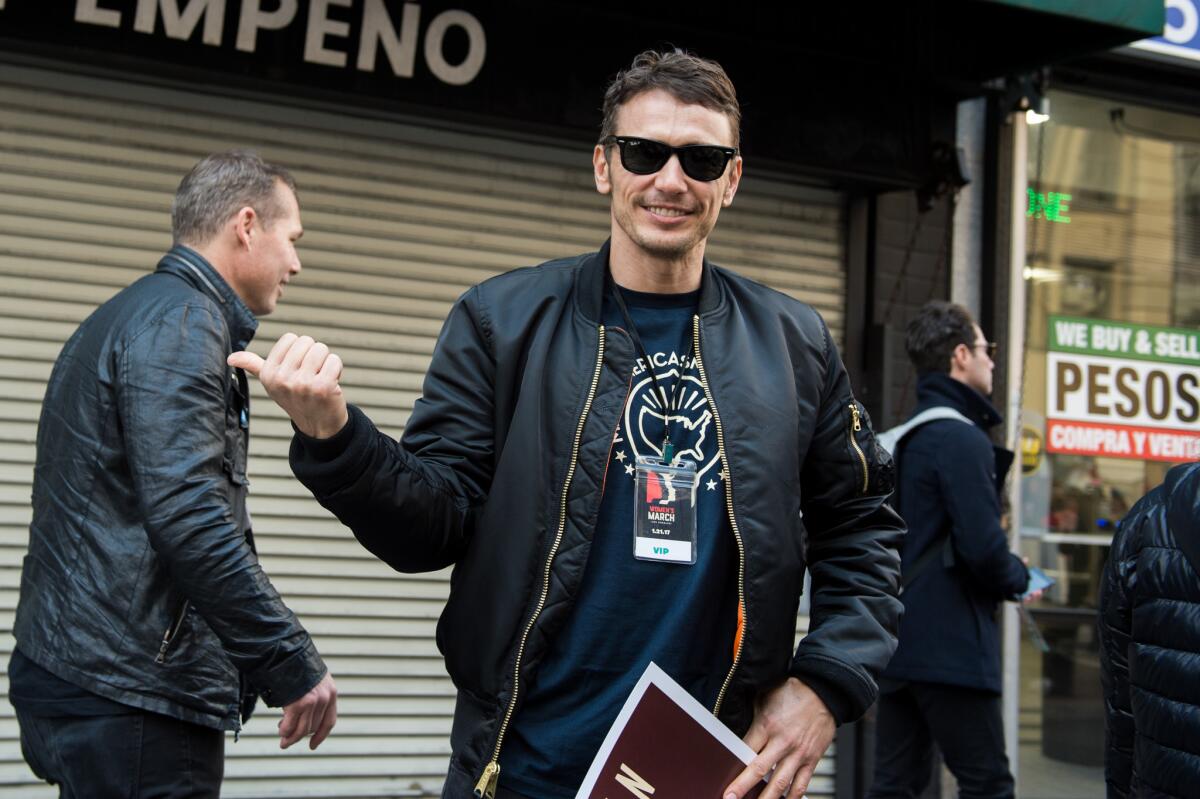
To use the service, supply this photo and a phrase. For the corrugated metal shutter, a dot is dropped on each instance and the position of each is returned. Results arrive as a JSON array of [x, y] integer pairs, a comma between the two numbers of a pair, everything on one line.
[[400, 220]]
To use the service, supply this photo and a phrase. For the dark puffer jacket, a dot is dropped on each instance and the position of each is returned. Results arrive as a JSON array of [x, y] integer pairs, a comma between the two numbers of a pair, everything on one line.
[[1150, 644]]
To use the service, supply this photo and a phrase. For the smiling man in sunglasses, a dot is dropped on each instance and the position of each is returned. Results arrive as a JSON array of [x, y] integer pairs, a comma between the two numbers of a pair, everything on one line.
[[628, 456]]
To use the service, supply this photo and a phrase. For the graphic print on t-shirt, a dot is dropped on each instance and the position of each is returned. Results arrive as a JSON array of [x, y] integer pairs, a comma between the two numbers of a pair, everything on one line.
[[693, 430]]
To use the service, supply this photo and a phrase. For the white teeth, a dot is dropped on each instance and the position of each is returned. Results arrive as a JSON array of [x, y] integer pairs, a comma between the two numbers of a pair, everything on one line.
[[660, 211]]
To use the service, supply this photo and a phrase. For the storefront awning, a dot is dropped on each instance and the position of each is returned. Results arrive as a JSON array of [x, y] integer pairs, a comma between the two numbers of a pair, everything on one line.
[[1007, 36], [1141, 17]]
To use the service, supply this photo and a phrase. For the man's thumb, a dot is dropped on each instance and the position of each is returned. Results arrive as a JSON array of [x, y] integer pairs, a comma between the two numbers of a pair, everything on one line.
[[246, 360]]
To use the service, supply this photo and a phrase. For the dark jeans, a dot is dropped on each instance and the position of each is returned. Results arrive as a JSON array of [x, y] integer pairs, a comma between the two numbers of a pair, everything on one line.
[[134, 755], [966, 725]]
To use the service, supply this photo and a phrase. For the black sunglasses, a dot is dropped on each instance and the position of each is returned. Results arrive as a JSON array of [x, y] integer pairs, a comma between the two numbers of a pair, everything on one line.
[[647, 156], [991, 348]]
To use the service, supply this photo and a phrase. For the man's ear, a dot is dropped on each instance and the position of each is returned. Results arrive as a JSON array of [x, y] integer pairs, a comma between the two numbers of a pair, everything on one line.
[[958, 357], [601, 170], [735, 179], [243, 224]]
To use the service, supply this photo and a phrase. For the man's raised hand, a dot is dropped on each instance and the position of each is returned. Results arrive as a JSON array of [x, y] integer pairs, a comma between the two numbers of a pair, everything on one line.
[[301, 376]]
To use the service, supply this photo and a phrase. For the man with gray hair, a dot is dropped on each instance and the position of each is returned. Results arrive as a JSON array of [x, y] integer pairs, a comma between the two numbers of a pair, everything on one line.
[[145, 627]]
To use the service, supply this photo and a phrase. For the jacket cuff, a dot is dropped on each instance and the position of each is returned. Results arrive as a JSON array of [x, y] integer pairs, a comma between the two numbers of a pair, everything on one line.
[[324, 450], [1015, 596], [844, 692], [291, 679]]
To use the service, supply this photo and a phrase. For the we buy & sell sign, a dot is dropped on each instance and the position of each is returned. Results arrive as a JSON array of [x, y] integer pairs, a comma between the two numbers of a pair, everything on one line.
[[1121, 390]]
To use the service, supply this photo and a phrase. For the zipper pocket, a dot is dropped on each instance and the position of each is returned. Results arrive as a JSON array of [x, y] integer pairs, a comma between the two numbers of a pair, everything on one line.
[[856, 427], [171, 634]]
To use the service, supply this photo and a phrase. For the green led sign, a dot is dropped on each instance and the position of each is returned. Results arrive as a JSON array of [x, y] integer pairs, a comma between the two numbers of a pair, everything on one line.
[[1051, 206]]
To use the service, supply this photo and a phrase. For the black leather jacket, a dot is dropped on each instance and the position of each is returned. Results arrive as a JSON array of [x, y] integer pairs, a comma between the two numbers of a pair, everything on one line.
[[1150, 643], [141, 583], [501, 470]]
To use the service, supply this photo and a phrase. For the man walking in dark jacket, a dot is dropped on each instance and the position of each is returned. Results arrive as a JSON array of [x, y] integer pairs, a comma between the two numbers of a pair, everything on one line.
[[552, 392], [1150, 644], [145, 625], [943, 684]]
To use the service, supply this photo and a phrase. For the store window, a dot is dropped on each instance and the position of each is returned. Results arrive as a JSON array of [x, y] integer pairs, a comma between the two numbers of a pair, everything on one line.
[[1110, 389]]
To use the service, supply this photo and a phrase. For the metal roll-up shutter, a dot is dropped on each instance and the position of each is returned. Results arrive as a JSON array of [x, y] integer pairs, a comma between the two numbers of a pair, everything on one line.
[[400, 219]]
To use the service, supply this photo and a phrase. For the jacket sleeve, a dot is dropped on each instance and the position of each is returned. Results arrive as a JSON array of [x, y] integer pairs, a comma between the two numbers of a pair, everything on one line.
[[853, 555], [412, 502], [1115, 623], [965, 463], [172, 406]]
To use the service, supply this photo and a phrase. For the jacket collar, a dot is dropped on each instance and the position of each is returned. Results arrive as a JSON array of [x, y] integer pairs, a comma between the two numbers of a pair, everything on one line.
[[191, 266], [591, 284], [940, 389]]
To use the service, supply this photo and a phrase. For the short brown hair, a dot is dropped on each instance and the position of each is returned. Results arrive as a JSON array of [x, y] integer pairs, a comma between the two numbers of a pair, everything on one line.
[[935, 332], [218, 186], [686, 77]]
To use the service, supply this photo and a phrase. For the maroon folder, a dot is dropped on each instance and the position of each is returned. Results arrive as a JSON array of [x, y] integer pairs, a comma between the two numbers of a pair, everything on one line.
[[665, 745]]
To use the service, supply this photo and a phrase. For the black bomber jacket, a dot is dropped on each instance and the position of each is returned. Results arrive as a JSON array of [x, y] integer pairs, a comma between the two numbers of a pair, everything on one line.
[[141, 583], [501, 467]]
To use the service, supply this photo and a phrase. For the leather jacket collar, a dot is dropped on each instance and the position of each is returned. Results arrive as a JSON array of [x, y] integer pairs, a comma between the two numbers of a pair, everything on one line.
[[191, 266]]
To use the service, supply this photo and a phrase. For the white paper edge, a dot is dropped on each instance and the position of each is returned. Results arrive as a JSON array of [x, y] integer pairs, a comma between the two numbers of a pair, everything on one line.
[[653, 675]]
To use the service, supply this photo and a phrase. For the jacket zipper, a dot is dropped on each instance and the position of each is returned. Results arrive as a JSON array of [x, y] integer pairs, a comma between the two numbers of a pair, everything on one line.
[[169, 635], [486, 787], [741, 639], [856, 426]]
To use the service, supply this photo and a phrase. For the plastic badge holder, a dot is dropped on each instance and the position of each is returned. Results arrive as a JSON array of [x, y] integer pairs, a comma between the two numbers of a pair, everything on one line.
[[664, 524]]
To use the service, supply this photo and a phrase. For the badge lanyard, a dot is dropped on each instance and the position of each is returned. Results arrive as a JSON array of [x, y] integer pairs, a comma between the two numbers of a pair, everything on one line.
[[664, 524], [669, 405]]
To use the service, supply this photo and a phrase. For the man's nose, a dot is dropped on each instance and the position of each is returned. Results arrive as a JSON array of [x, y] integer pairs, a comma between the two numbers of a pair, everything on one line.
[[671, 177]]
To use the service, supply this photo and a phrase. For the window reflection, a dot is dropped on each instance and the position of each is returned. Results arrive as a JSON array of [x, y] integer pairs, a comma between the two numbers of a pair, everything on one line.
[[1126, 248]]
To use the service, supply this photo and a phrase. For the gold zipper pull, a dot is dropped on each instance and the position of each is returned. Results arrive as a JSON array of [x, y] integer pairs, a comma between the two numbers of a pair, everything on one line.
[[855, 426], [486, 787]]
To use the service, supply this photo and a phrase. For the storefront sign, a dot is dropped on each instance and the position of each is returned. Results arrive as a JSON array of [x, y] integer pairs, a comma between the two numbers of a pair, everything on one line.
[[1181, 33], [1122, 390], [1051, 206], [328, 29]]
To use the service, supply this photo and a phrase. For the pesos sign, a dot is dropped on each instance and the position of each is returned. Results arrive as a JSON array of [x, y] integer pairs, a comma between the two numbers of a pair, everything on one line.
[[1123, 391]]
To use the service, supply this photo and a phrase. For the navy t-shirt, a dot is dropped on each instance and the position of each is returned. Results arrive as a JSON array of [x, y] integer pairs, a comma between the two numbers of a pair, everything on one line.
[[630, 612]]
